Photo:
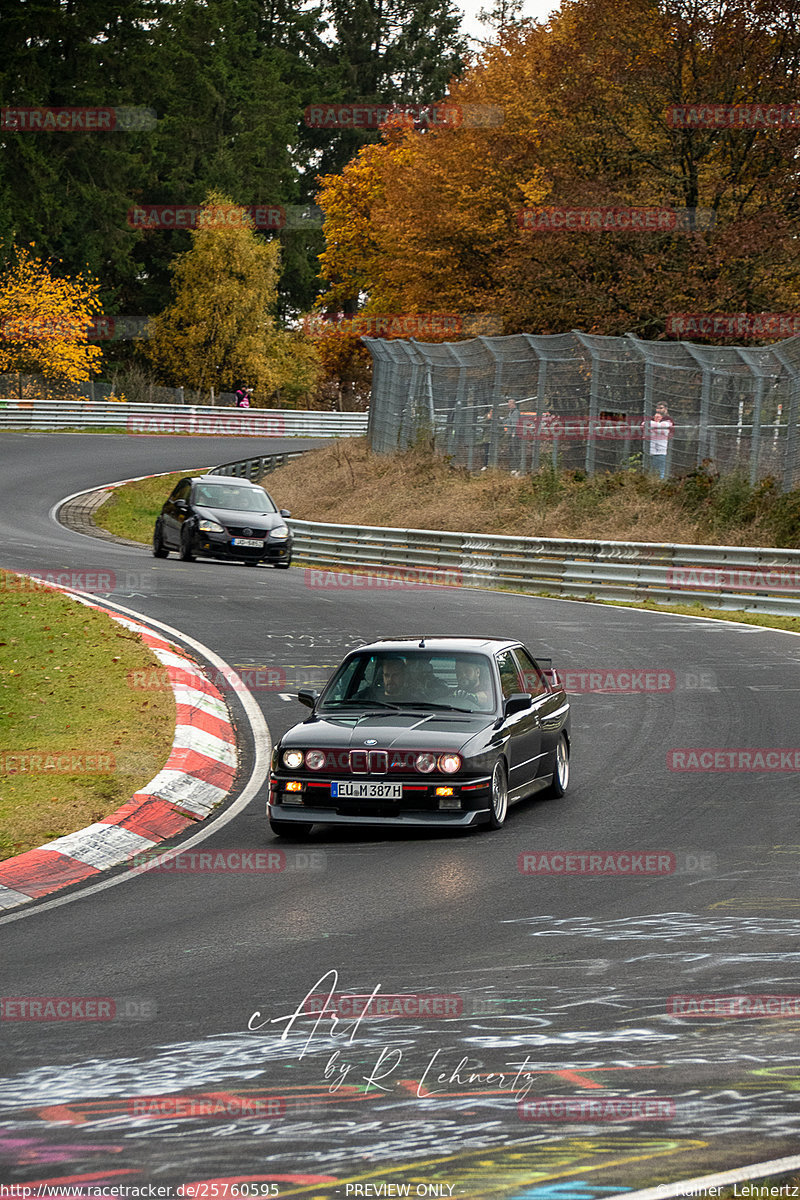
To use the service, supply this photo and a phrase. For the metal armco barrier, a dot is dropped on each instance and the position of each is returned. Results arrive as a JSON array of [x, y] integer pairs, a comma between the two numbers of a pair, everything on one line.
[[728, 577], [753, 579], [163, 418], [255, 468]]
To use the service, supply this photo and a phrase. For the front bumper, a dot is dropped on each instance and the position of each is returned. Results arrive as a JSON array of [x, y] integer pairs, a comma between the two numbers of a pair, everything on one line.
[[419, 805], [207, 546], [407, 819]]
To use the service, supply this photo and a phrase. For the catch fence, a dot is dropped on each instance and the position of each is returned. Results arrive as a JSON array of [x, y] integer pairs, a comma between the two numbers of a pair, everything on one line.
[[587, 402]]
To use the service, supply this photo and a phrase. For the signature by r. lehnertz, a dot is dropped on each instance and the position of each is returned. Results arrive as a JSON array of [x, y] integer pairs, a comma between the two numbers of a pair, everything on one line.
[[337, 1069]]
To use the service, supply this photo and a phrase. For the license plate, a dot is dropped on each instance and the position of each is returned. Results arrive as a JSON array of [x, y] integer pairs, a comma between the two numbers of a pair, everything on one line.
[[367, 791], [255, 542]]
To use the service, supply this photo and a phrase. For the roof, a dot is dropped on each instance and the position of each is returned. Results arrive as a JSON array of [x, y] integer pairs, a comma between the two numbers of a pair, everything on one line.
[[226, 479], [441, 642]]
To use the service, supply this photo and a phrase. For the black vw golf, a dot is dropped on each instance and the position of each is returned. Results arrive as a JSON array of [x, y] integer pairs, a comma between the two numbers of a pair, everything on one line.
[[219, 516], [444, 731]]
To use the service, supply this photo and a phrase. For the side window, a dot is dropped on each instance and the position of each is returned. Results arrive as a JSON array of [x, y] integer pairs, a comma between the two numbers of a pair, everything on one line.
[[182, 490], [531, 675], [509, 675]]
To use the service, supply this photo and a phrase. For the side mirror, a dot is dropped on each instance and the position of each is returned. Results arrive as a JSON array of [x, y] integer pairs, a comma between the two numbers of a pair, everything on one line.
[[307, 697], [181, 505], [518, 702], [285, 512]]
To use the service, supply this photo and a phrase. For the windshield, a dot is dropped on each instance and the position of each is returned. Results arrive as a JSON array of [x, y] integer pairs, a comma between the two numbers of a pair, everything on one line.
[[440, 681], [239, 499]]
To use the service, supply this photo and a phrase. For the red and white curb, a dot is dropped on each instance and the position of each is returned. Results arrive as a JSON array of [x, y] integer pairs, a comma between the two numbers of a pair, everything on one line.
[[196, 777]]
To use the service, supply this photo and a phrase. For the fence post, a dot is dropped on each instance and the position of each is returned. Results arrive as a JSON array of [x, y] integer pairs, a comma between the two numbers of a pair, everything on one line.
[[755, 444], [541, 382]]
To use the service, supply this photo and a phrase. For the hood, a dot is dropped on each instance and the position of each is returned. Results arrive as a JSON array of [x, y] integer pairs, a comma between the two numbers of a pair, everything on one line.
[[392, 730], [234, 516]]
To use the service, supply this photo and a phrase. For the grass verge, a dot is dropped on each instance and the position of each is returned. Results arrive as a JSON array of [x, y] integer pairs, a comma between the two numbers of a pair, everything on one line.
[[91, 740], [131, 511]]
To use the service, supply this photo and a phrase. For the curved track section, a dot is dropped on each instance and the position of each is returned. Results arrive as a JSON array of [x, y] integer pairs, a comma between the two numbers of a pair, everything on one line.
[[530, 1035]]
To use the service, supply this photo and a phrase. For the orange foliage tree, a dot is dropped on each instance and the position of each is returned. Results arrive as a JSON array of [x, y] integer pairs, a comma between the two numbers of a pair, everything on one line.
[[428, 220], [45, 322]]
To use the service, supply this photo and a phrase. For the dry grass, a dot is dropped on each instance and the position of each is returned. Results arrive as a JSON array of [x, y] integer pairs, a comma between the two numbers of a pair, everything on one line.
[[344, 483]]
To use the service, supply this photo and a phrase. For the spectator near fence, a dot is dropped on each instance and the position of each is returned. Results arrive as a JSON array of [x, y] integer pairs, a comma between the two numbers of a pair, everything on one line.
[[661, 427], [486, 426], [511, 437]]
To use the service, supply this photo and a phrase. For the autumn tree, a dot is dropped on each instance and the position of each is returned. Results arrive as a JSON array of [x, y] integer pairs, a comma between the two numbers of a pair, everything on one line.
[[45, 321], [220, 330], [429, 222]]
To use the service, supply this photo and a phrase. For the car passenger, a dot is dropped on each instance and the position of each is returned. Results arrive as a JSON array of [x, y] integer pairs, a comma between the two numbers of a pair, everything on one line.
[[390, 683]]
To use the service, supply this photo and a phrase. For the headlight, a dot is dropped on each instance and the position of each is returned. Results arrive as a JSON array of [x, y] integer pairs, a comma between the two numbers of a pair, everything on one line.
[[315, 760], [449, 763], [210, 527], [293, 759], [425, 763], [280, 531]]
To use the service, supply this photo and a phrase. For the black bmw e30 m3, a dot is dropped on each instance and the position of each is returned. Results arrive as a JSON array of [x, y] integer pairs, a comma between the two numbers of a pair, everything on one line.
[[444, 731]]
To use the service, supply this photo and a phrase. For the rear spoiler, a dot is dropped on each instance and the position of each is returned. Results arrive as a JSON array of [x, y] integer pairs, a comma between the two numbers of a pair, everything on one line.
[[550, 673]]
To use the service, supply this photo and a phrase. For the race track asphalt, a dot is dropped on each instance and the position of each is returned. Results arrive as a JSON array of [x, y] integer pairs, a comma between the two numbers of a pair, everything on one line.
[[554, 987]]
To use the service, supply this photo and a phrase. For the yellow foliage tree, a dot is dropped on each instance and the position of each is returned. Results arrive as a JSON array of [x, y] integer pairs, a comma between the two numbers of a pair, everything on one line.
[[219, 332], [45, 322]]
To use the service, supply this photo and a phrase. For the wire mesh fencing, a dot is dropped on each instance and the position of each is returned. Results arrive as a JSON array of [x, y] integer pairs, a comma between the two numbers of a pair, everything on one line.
[[593, 403]]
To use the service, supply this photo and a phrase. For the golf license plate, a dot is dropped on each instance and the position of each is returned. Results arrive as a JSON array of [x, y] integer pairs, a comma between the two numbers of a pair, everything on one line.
[[256, 543], [367, 791]]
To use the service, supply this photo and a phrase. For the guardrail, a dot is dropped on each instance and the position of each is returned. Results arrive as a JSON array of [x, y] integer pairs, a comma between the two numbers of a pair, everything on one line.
[[728, 577], [164, 418], [256, 468], [745, 578]]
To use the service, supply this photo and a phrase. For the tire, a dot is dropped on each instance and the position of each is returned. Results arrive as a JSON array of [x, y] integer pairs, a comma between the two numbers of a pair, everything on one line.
[[293, 831], [159, 549], [499, 798], [561, 770], [185, 551]]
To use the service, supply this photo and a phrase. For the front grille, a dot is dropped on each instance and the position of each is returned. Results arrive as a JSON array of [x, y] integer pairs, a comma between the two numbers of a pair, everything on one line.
[[251, 531], [372, 762]]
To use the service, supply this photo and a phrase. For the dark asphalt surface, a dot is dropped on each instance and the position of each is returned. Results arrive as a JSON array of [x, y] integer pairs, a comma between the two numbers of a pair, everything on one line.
[[562, 984]]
